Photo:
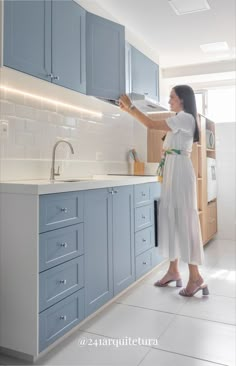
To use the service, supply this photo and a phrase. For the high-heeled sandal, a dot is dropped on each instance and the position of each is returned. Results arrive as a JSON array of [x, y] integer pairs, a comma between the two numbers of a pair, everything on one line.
[[160, 284], [203, 287]]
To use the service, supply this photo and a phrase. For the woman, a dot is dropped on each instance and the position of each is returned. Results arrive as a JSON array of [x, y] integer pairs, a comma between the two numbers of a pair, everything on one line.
[[179, 233]]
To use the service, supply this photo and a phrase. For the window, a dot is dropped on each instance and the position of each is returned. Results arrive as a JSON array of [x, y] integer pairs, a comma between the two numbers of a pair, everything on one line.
[[221, 104]]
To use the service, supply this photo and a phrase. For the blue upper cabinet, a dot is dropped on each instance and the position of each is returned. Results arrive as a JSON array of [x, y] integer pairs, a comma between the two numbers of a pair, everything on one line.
[[27, 37], [105, 65], [60, 42], [68, 45], [142, 74]]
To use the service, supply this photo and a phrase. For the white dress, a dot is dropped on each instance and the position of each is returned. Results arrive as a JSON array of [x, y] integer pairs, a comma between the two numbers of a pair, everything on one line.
[[179, 233]]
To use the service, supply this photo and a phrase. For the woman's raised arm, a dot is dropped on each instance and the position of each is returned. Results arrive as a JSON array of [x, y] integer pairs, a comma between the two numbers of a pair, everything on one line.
[[127, 106]]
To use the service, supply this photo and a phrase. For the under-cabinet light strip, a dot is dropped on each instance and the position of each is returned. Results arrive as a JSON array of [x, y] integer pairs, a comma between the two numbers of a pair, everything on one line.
[[57, 103]]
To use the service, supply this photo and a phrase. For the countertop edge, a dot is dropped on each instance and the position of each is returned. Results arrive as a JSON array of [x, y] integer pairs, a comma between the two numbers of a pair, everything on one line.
[[34, 188]]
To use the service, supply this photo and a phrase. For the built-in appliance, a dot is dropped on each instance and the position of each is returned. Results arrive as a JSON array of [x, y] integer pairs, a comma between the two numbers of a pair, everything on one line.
[[210, 139], [211, 179]]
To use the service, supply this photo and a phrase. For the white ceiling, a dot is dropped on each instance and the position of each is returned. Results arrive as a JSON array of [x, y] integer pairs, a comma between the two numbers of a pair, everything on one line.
[[177, 39]]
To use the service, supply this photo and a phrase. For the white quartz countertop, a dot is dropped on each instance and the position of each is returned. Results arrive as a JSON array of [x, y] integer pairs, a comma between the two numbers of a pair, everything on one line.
[[39, 187]]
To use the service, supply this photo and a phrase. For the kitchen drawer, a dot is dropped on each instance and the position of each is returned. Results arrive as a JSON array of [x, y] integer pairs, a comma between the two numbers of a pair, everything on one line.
[[58, 282], [60, 209], [144, 262], [211, 219], [61, 245], [142, 194], [60, 318], [144, 217], [144, 240]]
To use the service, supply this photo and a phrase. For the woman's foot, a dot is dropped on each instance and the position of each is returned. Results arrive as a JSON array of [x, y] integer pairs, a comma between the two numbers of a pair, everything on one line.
[[193, 286], [169, 277]]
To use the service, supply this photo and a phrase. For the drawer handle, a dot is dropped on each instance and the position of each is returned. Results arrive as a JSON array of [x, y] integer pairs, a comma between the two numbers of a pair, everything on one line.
[[63, 317], [144, 262], [64, 245], [64, 209], [144, 240], [63, 282], [143, 194], [143, 217]]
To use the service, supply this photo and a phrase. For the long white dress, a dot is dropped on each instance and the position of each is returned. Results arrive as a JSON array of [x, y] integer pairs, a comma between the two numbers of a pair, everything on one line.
[[179, 233]]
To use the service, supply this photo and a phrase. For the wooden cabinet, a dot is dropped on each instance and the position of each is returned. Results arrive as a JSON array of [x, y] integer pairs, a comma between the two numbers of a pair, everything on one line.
[[142, 74], [62, 43], [200, 152]]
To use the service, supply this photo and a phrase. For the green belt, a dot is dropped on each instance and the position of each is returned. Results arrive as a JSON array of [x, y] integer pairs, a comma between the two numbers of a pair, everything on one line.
[[160, 169]]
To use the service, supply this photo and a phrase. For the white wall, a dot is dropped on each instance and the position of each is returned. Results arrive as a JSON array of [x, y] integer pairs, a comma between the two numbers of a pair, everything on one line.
[[226, 179]]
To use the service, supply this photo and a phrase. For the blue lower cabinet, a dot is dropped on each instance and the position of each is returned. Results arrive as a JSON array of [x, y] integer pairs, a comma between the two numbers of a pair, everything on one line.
[[58, 246], [97, 249], [144, 240], [60, 281], [123, 237], [144, 262], [60, 210], [144, 217], [60, 318]]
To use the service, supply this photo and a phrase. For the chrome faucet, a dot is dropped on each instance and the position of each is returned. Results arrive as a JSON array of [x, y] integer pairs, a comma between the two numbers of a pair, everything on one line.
[[53, 173]]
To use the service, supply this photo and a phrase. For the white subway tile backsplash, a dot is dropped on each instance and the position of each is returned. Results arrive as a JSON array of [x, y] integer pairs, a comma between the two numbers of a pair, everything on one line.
[[7, 108], [35, 125], [25, 111]]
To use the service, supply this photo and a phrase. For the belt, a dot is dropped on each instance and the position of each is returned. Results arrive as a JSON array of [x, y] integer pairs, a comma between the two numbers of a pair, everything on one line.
[[160, 169]]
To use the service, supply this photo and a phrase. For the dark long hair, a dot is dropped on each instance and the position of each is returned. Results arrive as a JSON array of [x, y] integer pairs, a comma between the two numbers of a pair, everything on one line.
[[186, 94]]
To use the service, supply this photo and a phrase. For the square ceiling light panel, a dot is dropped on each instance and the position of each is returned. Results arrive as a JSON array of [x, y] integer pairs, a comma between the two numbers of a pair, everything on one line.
[[182, 7]]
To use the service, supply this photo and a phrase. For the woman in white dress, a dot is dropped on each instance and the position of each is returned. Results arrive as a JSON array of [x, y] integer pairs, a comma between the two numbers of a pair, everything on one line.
[[179, 233]]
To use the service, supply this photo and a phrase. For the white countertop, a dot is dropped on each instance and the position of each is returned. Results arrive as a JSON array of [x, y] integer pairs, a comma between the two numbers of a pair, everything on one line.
[[38, 187]]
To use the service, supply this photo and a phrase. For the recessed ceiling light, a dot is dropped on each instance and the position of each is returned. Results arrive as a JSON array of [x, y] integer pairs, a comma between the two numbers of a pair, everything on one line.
[[182, 7], [214, 47]]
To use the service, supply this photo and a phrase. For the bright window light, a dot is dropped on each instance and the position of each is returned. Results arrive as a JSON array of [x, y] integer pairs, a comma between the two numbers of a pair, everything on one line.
[[221, 104]]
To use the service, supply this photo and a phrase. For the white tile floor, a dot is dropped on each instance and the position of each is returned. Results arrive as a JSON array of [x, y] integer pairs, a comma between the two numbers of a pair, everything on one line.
[[197, 331]]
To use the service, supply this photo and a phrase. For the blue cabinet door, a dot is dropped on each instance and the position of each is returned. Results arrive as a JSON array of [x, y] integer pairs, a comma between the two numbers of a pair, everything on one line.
[[144, 75], [68, 45], [105, 63], [123, 238], [27, 37], [97, 249]]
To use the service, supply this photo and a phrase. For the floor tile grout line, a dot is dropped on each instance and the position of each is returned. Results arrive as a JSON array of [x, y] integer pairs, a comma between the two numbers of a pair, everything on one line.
[[197, 358], [168, 312], [144, 356]]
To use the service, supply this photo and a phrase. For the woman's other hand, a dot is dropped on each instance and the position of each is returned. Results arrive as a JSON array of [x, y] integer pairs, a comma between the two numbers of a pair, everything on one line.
[[124, 102]]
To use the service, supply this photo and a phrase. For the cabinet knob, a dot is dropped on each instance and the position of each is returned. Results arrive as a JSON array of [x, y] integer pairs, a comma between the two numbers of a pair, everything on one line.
[[55, 77], [64, 209], [144, 240], [63, 282], [64, 245], [49, 76], [144, 262], [143, 217], [143, 194], [115, 191], [63, 317]]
